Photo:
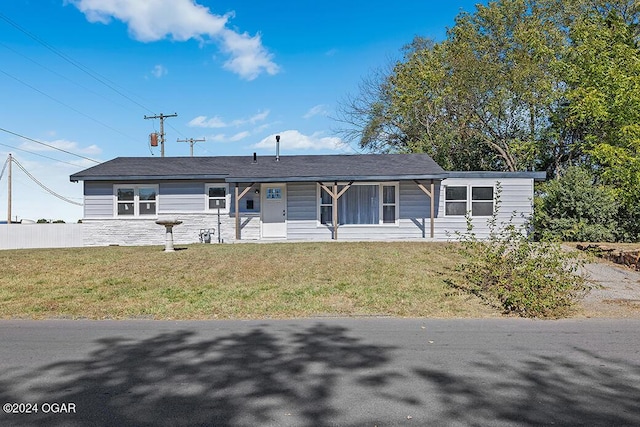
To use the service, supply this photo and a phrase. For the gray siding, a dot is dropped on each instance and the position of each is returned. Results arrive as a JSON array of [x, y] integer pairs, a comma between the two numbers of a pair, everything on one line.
[[98, 199], [516, 206], [181, 196], [302, 212]]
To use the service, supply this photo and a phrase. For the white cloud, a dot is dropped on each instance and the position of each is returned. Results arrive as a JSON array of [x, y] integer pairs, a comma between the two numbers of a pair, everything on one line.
[[182, 20], [318, 110], [159, 71], [248, 57], [294, 140], [239, 136], [61, 144], [204, 122], [216, 122], [259, 117]]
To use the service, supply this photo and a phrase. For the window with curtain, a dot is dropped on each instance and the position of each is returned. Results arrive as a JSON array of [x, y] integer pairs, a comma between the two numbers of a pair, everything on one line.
[[361, 204]]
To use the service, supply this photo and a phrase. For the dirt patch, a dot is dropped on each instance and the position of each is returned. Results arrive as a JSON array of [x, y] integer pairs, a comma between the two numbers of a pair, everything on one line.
[[619, 253], [615, 292]]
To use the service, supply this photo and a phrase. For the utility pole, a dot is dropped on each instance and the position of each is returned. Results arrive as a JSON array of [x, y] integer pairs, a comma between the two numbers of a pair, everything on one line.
[[9, 190], [191, 141], [161, 117]]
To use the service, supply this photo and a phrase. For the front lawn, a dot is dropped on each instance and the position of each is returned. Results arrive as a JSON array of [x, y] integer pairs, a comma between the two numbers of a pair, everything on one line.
[[278, 280]]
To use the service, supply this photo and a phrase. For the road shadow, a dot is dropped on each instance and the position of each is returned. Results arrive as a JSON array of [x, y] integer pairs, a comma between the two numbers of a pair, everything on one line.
[[324, 375], [583, 389], [175, 378]]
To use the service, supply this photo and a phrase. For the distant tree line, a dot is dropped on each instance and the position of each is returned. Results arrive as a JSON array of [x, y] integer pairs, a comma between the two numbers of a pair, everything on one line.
[[545, 85]]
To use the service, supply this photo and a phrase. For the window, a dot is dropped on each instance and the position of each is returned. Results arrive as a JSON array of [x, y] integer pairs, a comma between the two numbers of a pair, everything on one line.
[[274, 193], [326, 207], [136, 200], [389, 204], [361, 204], [217, 197], [457, 201], [481, 201]]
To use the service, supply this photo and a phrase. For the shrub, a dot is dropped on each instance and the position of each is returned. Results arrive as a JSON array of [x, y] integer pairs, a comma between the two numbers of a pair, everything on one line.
[[574, 208], [518, 274]]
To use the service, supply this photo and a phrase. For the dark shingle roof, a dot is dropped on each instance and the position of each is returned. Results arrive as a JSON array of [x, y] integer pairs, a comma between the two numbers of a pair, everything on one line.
[[289, 168]]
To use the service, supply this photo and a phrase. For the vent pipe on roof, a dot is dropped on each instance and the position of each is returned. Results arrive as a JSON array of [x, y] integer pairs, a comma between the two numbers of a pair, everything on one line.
[[277, 148], [255, 158]]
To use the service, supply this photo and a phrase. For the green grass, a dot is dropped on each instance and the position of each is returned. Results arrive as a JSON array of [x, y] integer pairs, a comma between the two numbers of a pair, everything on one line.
[[236, 281]]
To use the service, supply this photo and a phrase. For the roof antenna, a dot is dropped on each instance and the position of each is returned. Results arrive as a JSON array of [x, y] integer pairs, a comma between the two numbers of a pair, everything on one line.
[[277, 148]]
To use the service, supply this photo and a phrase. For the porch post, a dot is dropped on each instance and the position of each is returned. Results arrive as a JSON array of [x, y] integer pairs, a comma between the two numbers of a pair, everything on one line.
[[433, 207], [335, 210], [237, 203], [432, 203]]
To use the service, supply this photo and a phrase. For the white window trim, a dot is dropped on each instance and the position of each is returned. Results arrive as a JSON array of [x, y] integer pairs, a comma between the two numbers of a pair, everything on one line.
[[227, 197], [395, 184], [469, 190], [136, 200]]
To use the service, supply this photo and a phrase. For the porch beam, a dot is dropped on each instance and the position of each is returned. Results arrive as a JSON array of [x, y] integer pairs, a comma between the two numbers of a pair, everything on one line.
[[239, 196]]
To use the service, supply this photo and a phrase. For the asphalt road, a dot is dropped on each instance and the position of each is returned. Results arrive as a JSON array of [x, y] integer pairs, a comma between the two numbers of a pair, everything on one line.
[[321, 372]]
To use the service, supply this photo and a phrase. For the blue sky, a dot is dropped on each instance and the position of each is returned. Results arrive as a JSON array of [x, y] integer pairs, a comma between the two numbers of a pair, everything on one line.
[[80, 75]]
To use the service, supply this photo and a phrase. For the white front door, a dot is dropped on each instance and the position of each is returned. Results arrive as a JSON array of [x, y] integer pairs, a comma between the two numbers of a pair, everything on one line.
[[273, 205]]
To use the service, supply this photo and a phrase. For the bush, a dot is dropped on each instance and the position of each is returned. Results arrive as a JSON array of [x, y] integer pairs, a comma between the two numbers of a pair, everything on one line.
[[574, 208], [518, 274]]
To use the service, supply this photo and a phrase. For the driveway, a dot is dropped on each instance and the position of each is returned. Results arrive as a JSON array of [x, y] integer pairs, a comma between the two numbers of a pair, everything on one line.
[[616, 291]]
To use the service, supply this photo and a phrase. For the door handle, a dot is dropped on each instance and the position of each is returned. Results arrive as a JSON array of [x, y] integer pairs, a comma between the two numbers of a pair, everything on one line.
[[283, 212]]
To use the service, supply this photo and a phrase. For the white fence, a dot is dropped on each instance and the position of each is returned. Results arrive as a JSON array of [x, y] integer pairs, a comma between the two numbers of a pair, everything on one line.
[[24, 236]]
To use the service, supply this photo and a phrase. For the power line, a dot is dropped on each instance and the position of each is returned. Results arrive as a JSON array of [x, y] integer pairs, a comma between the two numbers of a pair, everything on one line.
[[44, 186], [66, 105], [37, 154], [96, 76], [62, 76], [47, 145]]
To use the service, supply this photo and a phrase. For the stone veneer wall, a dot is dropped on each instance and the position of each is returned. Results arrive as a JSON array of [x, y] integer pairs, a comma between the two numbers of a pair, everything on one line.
[[142, 232]]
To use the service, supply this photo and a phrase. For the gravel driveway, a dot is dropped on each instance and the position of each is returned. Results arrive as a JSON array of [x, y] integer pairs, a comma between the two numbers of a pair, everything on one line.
[[616, 291]]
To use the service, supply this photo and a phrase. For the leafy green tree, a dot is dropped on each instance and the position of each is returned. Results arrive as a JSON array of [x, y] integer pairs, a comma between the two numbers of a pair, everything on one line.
[[603, 77], [481, 99]]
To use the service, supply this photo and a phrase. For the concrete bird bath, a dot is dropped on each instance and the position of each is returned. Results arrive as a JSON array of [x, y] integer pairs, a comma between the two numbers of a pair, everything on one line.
[[168, 225]]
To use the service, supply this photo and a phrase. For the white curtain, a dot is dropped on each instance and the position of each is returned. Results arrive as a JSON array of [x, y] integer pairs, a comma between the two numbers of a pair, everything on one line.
[[359, 205]]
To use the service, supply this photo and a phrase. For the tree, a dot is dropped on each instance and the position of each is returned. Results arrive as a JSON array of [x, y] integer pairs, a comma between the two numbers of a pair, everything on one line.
[[480, 99], [603, 79]]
